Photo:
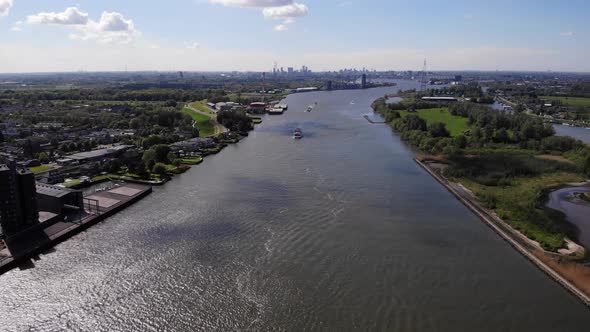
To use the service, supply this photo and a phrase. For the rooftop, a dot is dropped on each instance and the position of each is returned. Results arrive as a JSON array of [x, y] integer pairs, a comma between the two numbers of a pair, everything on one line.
[[54, 191], [98, 153]]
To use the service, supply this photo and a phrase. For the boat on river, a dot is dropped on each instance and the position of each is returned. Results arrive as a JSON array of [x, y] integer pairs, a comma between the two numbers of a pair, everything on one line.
[[297, 134], [309, 108]]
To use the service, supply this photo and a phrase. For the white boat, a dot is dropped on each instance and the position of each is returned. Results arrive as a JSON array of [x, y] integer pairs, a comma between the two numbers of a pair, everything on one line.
[[297, 134], [309, 108]]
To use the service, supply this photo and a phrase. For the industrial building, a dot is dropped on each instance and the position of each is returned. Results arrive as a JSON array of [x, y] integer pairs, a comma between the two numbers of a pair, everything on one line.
[[59, 201], [257, 108], [96, 155]]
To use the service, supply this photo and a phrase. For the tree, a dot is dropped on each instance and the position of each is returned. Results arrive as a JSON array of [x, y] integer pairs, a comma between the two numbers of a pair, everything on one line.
[[161, 153], [54, 142], [501, 136], [171, 157], [43, 157], [149, 158], [414, 122], [159, 169], [112, 166], [587, 166], [461, 142], [438, 129]]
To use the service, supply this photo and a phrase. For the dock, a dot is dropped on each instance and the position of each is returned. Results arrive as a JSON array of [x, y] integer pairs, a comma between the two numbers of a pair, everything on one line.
[[97, 207]]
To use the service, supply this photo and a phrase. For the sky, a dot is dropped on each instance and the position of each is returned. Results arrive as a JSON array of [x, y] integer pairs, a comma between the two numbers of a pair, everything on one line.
[[251, 35]]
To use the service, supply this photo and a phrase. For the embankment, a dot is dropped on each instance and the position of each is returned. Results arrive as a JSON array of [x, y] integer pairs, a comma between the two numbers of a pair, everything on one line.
[[502, 228]]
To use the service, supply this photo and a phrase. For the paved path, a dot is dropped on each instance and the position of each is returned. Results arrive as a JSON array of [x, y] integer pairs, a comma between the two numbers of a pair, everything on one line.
[[219, 128]]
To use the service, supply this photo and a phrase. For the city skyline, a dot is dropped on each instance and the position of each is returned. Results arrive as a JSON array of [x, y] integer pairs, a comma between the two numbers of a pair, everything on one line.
[[249, 35]]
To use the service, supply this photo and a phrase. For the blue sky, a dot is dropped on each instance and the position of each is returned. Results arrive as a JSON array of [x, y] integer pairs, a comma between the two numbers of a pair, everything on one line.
[[41, 35]]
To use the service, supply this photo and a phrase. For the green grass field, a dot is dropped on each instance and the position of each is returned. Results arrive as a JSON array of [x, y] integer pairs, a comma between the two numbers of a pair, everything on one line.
[[40, 169], [455, 124], [569, 101], [192, 160], [202, 106], [203, 122]]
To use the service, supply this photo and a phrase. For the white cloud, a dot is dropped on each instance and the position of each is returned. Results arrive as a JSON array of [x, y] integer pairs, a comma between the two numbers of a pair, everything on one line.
[[194, 46], [253, 3], [112, 27], [70, 16], [281, 28], [284, 12], [5, 6], [114, 22], [17, 27], [568, 34]]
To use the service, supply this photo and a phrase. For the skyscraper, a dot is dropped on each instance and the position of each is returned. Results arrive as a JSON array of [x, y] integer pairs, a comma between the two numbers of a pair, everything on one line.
[[18, 199], [364, 81]]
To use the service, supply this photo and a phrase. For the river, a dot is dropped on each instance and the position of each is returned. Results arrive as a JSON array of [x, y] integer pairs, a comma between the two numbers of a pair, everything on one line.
[[338, 231], [575, 209], [580, 133]]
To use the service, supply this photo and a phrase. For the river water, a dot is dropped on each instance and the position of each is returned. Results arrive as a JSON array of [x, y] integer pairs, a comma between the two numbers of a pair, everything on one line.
[[338, 231], [575, 209], [580, 133]]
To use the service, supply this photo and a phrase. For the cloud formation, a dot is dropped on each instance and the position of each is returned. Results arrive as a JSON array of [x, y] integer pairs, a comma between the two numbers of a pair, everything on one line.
[[253, 3], [70, 16], [280, 28], [194, 46], [17, 27], [112, 27], [5, 6], [286, 10], [568, 34]]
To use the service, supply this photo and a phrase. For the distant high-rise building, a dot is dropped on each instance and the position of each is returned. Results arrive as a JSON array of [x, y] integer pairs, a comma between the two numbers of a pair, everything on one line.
[[458, 78], [18, 199], [290, 70], [364, 81], [328, 85]]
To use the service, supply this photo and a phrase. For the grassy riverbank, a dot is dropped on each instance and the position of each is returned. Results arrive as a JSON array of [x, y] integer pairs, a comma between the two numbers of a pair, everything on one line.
[[520, 204], [508, 161]]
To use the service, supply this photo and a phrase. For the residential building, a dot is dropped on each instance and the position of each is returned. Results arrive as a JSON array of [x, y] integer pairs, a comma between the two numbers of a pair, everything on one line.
[[18, 199]]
